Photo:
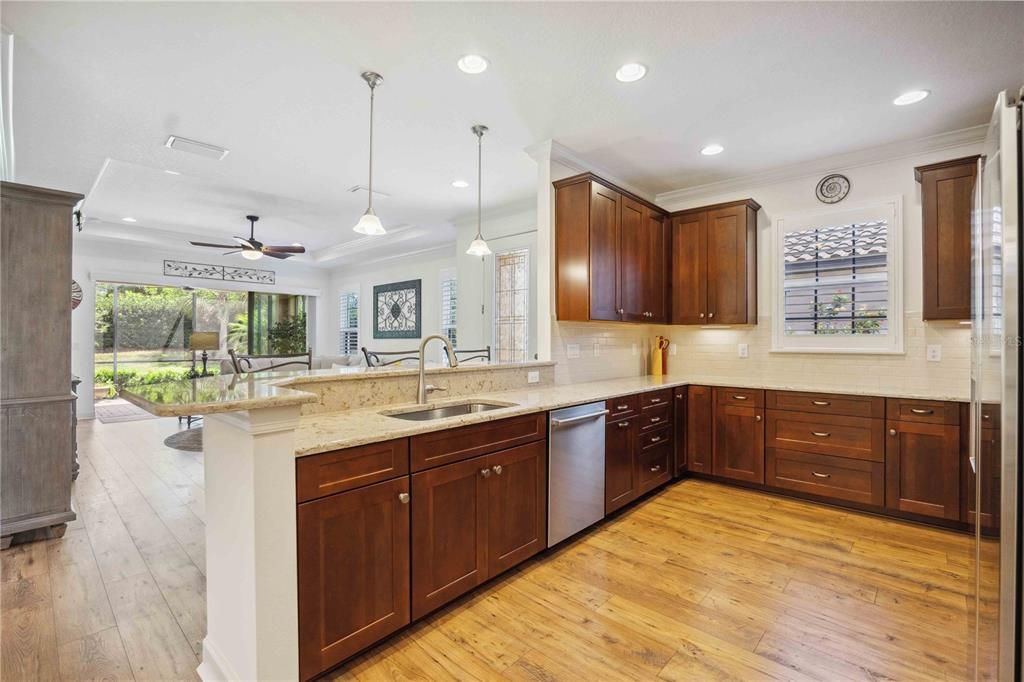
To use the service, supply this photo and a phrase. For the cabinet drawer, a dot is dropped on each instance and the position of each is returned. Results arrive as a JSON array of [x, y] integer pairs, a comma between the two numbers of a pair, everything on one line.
[[655, 398], [840, 478], [339, 470], [655, 467], [826, 403], [923, 411], [621, 407], [655, 438], [453, 445], [742, 397], [655, 417], [856, 437]]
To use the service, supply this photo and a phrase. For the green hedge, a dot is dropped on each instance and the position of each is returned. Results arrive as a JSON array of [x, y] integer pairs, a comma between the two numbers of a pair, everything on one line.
[[128, 376]]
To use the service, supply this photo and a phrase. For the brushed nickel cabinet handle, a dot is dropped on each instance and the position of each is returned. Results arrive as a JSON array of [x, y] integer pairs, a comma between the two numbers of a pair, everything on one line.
[[655, 401], [623, 425], [739, 397], [821, 475], [656, 468], [622, 407], [821, 434], [655, 439], [892, 432], [920, 410], [822, 403], [485, 472], [655, 420], [403, 498], [497, 469]]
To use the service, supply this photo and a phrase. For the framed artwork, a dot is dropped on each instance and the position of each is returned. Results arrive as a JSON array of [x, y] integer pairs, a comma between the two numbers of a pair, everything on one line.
[[397, 310]]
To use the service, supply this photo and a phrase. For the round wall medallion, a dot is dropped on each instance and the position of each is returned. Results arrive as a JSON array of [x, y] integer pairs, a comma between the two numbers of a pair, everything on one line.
[[76, 294], [833, 188]]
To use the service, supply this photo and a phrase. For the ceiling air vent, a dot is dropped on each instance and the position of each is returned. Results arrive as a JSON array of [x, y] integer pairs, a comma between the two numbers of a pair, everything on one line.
[[183, 144], [363, 188]]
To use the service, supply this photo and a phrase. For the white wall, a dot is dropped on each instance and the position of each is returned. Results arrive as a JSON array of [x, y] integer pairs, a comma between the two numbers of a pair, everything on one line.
[[106, 260], [426, 266]]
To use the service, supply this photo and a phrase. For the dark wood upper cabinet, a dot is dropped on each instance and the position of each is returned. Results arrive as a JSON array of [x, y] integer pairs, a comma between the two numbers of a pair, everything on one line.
[[699, 421], [922, 469], [738, 449], [620, 464], [611, 253], [516, 506], [353, 570], [947, 191], [714, 264]]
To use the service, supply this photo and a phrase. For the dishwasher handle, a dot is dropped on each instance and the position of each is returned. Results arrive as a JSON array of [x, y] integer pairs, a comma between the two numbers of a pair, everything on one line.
[[581, 418]]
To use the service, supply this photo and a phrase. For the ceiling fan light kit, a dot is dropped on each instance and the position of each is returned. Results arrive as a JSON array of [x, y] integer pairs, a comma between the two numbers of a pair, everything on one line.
[[370, 224]]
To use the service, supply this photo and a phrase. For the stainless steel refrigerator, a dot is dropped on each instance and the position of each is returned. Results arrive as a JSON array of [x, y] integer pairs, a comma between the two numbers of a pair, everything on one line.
[[994, 482]]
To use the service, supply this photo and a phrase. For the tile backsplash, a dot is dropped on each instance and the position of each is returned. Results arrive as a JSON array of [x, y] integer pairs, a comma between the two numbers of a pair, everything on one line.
[[591, 351]]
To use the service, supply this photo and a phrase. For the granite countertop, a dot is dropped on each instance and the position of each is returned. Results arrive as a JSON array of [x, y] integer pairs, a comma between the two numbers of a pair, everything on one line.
[[332, 431]]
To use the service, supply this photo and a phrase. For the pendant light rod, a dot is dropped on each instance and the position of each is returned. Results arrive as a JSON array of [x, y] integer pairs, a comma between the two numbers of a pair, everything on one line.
[[372, 79], [478, 247]]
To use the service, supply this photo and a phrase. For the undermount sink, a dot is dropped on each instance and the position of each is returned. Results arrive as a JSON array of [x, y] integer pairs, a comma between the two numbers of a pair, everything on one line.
[[423, 414]]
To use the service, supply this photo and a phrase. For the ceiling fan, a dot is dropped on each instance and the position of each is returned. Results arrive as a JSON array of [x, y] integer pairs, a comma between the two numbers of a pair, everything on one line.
[[251, 248]]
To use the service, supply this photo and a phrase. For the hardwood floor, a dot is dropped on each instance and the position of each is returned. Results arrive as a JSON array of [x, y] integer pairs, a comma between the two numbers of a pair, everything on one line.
[[700, 582]]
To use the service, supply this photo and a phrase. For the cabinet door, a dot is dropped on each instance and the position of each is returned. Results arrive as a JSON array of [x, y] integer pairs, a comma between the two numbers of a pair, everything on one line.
[[620, 464], [679, 422], [698, 429], [604, 253], [632, 256], [689, 269], [353, 570], [449, 532], [946, 203], [922, 469], [727, 246], [739, 442], [517, 506], [655, 266]]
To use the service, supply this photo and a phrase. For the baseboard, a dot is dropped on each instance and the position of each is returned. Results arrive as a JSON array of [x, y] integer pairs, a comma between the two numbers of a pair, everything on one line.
[[214, 667]]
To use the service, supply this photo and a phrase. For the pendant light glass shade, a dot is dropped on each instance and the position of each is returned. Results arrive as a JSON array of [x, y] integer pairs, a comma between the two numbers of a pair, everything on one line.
[[370, 224], [478, 247]]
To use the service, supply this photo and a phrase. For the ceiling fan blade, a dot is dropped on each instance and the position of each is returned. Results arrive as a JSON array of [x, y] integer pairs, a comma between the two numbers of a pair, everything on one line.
[[285, 249], [244, 242], [215, 246], [231, 253], [273, 254]]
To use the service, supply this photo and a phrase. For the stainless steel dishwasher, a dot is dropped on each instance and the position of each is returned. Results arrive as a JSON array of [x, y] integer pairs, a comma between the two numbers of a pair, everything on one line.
[[575, 470]]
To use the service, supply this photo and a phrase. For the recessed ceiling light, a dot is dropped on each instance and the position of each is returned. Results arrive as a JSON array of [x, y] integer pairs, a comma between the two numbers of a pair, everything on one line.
[[129, 219], [628, 73], [712, 149], [170, 172], [912, 97], [473, 63], [460, 184]]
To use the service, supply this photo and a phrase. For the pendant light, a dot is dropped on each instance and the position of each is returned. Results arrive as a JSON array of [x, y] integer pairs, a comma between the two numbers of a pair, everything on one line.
[[370, 224], [478, 247]]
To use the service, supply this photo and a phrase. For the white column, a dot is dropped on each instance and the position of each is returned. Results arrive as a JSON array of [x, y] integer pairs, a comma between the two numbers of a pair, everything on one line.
[[541, 153], [251, 577]]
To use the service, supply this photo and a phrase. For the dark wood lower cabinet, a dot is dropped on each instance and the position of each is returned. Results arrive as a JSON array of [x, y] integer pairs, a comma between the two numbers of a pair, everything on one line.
[[738, 440], [699, 418], [679, 423], [353, 569], [620, 464], [922, 469], [838, 478], [516, 506]]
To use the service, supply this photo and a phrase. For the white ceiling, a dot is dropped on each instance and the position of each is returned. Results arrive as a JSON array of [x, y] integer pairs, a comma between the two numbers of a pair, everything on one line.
[[278, 85]]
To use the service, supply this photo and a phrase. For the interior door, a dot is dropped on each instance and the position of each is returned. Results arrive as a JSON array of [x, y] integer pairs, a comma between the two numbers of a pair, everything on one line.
[[727, 265], [632, 257], [689, 269], [604, 253]]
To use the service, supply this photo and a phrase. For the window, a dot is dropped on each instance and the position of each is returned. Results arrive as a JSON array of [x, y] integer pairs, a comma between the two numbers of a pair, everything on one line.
[[837, 281], [348, 329], [511, 305], [449, 305]]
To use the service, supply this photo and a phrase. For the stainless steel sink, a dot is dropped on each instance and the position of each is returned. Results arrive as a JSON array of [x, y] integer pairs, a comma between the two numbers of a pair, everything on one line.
[[423, 414]]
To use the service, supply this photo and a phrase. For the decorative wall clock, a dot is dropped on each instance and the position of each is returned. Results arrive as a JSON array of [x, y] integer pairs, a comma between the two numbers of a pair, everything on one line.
[[396, 310], [833, 188], [76, 294]]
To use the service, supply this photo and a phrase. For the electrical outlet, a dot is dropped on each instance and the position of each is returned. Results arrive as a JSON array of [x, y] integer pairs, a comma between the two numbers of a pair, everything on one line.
[[741, 350], [934, 352], [572, 351], [673, 349], [635, 349], [532, 377]]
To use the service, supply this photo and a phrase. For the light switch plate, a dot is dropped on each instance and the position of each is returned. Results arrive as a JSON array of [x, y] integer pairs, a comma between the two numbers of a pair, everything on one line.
[[532, 377], [673, 349], [934, 352], [572, 351], [742, 351]]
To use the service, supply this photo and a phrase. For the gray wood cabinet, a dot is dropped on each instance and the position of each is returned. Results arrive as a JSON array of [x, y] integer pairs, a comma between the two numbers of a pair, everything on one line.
[[36, 401]]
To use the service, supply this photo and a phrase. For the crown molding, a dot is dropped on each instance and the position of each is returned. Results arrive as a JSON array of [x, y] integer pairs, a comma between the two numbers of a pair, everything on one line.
[[554, 151], [864, 157]]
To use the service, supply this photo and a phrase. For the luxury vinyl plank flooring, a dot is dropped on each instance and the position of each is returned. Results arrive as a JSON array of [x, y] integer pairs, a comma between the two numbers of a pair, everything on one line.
[[699, 582]]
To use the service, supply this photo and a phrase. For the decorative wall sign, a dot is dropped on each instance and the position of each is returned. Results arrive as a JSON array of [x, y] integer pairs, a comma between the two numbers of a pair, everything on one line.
[[396, 310], [76, 294], [833, 188], [229, 273]]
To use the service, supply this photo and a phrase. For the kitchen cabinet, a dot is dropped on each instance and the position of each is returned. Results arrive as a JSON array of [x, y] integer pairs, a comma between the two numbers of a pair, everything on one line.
[[699, 422], [738, 446], [474, 519], [714, 264], [922, 468], [611, 253], [620, 464], [353, 572], [947, 191], [983, 510], [679, 423]]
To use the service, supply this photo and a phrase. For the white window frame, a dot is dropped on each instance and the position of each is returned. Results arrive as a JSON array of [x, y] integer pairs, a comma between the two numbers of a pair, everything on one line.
[[445, 275], [494, 300], [342, 328], [890, 210]]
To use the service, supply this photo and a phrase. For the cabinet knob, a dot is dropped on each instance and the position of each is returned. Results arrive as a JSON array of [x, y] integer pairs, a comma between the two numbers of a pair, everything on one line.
[[710, 315], [497, 469], [403, 498], [757, 418], [485, 472], [680, 396], [702, 314], [892, 432], [621, 311]]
